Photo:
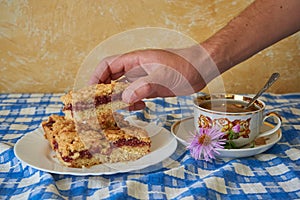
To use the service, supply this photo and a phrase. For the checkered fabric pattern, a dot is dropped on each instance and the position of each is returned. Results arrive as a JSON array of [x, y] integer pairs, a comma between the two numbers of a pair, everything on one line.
[[274, 174]]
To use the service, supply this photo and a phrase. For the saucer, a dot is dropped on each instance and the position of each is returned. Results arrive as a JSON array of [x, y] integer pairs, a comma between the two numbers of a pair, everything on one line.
[[182, 132]]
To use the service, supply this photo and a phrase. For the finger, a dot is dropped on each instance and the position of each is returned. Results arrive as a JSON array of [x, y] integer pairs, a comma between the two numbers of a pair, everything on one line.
[[161, 91], [137, 106], [126, 64], [113, 67], [145, 87], [102, 73], [117, 75], [137, 90]]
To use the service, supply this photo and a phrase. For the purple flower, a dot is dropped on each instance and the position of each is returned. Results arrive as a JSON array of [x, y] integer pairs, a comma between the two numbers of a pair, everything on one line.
[[236, 128], [205, 143]]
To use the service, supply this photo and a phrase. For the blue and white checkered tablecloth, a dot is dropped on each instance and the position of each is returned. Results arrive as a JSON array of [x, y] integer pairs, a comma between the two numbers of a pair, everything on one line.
[[274, 174]]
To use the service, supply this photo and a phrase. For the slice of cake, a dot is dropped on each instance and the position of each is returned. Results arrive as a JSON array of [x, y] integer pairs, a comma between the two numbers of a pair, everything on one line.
[[128, 143], [88, 147], [95, 105], [66, 143]]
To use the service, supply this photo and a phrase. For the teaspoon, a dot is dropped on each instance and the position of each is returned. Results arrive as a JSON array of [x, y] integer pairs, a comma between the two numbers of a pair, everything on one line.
[[270, 82]]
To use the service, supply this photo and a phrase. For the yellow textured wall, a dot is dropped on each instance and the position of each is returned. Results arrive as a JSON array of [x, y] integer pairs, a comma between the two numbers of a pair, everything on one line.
[[43, 43]]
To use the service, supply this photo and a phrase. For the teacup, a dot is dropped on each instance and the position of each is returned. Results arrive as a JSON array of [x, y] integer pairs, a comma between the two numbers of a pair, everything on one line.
[[227, 113]]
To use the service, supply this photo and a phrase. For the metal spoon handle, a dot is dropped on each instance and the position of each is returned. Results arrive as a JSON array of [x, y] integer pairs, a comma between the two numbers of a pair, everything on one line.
[[270, 82]]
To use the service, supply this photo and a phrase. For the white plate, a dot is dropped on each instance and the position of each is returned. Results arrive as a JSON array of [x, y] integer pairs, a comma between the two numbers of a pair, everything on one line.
[[34, 150], [182, 131]]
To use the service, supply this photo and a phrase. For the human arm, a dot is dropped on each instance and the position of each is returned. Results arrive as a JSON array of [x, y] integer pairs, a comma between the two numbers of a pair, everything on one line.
[[260, 25]]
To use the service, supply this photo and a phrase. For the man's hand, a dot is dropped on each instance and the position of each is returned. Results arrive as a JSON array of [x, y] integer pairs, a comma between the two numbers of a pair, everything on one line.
[[158, 73]]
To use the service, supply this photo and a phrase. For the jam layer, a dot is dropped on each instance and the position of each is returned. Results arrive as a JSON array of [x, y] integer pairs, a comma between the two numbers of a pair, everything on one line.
[[133, 142], [83, 154], [50, 123]]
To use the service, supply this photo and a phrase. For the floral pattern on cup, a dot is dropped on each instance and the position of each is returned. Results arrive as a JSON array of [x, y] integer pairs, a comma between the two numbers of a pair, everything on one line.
[[227, 126]]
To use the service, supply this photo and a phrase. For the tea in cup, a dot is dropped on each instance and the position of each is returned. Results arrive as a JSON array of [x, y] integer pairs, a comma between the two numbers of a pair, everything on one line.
[[227, 112]]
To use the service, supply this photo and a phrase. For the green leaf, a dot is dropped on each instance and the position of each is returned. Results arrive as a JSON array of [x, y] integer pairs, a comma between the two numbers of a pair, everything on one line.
[[230, 145]]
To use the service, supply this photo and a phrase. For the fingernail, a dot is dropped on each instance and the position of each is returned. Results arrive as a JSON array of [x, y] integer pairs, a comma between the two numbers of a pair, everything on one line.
[[129, 96], [93, 80]]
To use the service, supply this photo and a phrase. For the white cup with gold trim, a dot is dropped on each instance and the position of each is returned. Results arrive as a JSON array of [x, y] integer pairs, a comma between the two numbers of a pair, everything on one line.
[[226, 112]]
